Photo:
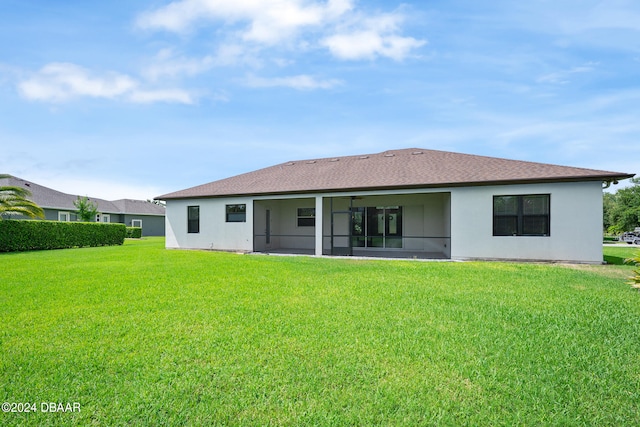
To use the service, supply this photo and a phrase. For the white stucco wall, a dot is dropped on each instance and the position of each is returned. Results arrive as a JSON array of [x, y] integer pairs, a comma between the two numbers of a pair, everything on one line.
[[576, 224], [215, 232], [467, 213]]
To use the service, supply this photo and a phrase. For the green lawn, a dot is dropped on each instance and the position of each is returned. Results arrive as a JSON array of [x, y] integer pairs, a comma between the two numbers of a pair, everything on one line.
[[140, 335], [618, 253]]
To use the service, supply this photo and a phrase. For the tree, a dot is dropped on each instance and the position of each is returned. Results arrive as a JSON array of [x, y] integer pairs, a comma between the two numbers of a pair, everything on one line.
[[623, 210], [87, 210], [13, 201], [608, 204]]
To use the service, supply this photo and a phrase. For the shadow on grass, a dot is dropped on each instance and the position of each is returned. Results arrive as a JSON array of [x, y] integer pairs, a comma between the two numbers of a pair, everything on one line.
[[615, 260]]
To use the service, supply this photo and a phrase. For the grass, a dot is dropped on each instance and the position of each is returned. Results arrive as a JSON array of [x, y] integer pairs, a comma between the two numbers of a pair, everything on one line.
[[618, 254], [140, 335]]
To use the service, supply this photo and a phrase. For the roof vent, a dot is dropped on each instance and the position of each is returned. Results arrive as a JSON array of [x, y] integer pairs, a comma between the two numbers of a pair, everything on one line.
[[310, 162], [389, 155], [290, 164], [417, 152], [334, 160], [363, 157]]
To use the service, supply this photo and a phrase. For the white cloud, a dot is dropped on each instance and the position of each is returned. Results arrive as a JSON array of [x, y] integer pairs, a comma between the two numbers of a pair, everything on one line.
[[60, 82], [334, 25], [372, 37], [370, 44], [300, 82], [267, 21]]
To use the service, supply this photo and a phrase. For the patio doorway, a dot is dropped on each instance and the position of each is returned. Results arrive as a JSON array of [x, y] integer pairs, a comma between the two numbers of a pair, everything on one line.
[[341, 241], [377, 227]]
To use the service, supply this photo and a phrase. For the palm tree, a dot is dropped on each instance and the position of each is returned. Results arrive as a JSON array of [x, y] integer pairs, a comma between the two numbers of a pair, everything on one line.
[[13, 201]]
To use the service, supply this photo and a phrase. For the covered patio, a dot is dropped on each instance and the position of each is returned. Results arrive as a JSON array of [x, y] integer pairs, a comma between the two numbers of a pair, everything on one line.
[[413, 225]]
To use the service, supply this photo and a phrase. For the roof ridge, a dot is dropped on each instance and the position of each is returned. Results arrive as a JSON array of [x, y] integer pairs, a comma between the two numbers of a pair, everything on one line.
[[333, 158]]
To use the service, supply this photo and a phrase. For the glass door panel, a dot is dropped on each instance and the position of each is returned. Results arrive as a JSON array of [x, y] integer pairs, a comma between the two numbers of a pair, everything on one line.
[[357, 227], [375, 227], [393, 227]]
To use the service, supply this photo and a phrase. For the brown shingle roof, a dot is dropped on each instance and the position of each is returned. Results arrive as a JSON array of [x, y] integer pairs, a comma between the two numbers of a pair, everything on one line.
[[408, 168], [46, 197]]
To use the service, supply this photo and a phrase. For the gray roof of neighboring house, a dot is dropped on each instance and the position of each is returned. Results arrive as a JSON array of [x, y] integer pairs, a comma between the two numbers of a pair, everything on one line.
[[394, 169], [52, 199]]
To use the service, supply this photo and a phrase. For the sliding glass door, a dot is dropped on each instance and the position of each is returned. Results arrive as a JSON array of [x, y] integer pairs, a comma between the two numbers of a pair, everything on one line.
[[377, 227]]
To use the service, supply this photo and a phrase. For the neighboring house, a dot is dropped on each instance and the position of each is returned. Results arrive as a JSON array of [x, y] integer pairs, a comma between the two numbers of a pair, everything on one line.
[[411, 203], [59, 206]]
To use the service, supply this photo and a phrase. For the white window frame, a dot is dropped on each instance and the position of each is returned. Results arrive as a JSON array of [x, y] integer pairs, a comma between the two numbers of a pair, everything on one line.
[[306, 215], [62, 215], [103, 217], [134, 221]]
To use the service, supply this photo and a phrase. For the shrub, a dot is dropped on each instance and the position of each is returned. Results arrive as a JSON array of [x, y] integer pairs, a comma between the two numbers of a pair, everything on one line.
[[134, 232], [24, 235], [635, 280]]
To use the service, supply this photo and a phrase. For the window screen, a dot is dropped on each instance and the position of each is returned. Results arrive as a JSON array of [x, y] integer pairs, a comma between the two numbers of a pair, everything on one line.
[[236, 213], [193, 219], [521, 215]]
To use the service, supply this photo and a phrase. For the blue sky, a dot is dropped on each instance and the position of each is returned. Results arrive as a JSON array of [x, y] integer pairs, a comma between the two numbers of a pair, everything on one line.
[[136, 99]]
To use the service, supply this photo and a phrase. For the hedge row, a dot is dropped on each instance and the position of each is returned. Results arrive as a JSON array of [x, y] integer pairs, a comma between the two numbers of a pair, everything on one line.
[[27, 235], [134, 233]]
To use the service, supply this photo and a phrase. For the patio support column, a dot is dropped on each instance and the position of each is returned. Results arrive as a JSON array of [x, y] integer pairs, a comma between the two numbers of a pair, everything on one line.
[[319, 225]]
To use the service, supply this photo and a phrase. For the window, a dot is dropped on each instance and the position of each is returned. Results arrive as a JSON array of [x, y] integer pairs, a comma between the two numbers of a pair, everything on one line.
[[193, 219], [236, 213], [306, 217], [526, 215], [136, 223], [64, 216], [103, 218]]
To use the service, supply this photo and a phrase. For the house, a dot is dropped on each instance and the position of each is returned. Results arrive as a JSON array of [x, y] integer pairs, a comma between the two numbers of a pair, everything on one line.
[[411, 203], [59, 206]]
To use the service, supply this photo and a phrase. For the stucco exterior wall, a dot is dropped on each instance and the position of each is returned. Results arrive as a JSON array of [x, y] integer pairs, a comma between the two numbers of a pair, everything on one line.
[[215, 232], [52, 214], [575, 227], [151, 225], [464, 214]]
